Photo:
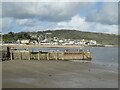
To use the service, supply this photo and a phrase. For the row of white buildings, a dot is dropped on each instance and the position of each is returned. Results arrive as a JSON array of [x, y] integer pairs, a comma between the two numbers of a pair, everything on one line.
[[47, 39], [69, 42], [56, 41]]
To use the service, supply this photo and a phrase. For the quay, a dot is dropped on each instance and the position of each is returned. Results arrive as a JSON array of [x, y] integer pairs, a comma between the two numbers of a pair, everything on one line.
[[16, 54]]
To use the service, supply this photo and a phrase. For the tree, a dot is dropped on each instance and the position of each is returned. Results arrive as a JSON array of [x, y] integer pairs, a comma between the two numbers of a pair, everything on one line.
[[11, 34]]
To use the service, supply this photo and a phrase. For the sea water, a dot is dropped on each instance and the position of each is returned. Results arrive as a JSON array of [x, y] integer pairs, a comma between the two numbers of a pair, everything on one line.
[[100, 55]]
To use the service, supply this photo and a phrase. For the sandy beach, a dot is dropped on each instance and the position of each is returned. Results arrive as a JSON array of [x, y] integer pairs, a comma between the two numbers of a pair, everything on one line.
[[57, 74]]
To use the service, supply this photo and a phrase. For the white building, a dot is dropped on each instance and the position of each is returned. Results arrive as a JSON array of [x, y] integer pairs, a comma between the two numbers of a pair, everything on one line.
[[54, 43], [92, 42], [25, 41], [68, 43], [45, 43], [61, 41], [55, 39], [33, 42]]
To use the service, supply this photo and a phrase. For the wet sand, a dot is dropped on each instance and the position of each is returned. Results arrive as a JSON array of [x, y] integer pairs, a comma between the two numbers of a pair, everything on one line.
[[57, 74]]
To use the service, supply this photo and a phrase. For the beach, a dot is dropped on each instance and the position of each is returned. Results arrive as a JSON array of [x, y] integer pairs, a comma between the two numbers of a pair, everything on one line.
[[101, 72], [57, 74]]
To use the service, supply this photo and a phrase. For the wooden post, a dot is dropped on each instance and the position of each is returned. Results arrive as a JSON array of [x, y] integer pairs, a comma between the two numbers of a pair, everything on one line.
[[83, 55], [62, 55], [11, 55], [38, 55], [20, 55], [8, 53], [56, 56], [29, 55], [90, 55], [48, 56]]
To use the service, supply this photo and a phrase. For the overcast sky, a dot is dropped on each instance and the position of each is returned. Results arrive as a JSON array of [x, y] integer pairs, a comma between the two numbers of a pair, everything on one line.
[[39, 16]]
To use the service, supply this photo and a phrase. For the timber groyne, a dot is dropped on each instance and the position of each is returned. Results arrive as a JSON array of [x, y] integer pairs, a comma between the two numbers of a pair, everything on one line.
[[14, 54]]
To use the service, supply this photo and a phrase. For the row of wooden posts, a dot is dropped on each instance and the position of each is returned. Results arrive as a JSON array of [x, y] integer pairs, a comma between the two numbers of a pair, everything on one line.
[[14, 54], [28, 55]]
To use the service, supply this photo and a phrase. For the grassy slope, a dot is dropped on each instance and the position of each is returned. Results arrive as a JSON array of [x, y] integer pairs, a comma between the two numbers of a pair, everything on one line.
[[74, 34]]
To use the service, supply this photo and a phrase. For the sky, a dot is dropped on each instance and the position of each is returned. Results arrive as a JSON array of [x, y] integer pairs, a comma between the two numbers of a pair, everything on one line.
[[40, 16]]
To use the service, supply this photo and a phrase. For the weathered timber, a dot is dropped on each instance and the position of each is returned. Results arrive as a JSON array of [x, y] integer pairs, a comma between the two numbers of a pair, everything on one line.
[[29, 55], [16, 54]]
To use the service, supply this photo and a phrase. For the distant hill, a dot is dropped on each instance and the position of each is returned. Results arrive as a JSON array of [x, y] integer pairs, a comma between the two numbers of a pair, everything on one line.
[[101, 38]]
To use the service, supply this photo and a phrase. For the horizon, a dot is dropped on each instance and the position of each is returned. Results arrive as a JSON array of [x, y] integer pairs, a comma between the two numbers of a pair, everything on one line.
[[96, 17]]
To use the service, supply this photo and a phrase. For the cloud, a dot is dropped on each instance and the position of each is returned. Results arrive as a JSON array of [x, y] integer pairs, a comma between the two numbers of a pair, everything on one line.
[[62, 11], [0, 17], [80, 23], [34, 25], [0, 25], [0, 9], [107, 14], [76, 22], [6, 24], [48, 11], [53, 15], [26, 22], [60, 1]]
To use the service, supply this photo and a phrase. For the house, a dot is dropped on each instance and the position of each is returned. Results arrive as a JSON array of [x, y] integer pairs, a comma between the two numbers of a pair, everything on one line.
[[18, 41], [54, 43], [55, 39], [25, 41], [83, 42], [45, 42], [68, 43], [92, 42], [33, 42]]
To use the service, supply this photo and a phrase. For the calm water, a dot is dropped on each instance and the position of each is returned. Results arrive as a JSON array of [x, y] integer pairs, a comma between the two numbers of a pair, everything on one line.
[[105, 55], [100, 55]]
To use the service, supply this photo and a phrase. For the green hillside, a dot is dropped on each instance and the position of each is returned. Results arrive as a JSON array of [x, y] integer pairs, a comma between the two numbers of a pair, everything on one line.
[[101, 38], [74, 34]]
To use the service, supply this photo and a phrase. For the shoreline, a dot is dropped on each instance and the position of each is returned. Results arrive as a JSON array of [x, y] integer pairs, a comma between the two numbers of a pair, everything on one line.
[[43, 46], [50, 46]]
